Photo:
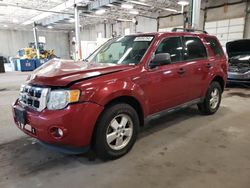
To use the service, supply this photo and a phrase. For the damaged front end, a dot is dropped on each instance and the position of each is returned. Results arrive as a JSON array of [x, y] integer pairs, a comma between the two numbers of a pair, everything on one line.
[[239, 61]]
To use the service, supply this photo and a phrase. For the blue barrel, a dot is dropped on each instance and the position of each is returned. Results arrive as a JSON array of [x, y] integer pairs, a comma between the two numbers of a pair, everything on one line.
[[26, 64], [40, 62]]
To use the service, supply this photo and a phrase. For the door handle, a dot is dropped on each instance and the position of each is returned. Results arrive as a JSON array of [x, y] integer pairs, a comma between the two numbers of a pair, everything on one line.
[[209, 65], [181, 71]]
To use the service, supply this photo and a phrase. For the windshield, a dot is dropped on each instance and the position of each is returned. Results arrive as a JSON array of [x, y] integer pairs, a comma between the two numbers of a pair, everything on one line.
[[127, 50]]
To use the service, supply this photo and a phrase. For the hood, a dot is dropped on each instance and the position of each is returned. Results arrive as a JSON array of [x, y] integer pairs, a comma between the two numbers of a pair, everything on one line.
[[238, 47], [59, 72]]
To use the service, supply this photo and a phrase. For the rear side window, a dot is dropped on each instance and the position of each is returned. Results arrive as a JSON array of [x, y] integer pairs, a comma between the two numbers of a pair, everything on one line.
[[215, 46], [194, 49]]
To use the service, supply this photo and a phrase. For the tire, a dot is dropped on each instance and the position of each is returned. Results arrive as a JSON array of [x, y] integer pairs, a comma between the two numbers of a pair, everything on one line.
[[207, 107], [109, 133]]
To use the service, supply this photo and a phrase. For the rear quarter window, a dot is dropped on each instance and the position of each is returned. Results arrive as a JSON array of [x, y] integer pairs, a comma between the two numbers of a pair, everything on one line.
[[215, 46]]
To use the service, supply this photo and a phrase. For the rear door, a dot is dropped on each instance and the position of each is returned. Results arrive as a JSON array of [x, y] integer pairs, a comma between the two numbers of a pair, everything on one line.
[[196, 59]]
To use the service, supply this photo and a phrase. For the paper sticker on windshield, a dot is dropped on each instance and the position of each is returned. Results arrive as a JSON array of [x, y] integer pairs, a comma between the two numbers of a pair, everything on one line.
[[143, 39]]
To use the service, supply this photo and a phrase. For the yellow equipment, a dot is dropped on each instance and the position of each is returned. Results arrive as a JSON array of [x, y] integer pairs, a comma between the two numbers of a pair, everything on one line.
[[30, 53], [27, 53]]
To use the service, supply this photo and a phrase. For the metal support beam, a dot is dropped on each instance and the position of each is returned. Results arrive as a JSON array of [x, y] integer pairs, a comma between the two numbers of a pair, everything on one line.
[[196, 8], [78, 49], [36, 40]]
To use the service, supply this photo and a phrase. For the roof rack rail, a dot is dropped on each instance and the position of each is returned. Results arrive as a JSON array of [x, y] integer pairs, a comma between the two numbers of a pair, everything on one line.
[[189, 30]]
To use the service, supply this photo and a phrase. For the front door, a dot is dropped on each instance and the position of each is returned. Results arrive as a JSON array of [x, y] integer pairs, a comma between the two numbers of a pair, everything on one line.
[[165, 85]]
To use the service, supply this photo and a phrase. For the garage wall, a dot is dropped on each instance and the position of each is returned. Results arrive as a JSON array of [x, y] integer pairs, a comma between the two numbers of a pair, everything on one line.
[[169, 22], [146, 25], [222, 13], [11, 41], [226, 30], [90, 33], [227, 22]]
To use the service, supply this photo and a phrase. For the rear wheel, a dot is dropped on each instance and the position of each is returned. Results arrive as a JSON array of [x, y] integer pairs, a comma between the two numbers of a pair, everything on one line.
[[116, 131], [212, 100]]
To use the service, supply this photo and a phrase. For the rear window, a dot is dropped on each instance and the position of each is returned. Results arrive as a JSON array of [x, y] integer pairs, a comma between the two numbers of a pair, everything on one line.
[[195, 49], [215, 46]]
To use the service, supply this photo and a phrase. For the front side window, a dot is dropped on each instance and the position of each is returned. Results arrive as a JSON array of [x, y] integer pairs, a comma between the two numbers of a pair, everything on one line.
[[194, 49], [173, 46], [124, 50]]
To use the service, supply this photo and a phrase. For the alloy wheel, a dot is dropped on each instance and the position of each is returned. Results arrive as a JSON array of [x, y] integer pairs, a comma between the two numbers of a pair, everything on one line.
[[119, 132]]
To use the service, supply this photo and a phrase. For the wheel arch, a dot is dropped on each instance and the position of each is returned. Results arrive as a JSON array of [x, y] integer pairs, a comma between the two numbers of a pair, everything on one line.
[[220, 80], [132, 101], [123, 99]]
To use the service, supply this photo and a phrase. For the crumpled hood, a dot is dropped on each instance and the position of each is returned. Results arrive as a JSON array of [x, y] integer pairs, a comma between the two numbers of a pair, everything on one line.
[[238, 47], [58, 72]]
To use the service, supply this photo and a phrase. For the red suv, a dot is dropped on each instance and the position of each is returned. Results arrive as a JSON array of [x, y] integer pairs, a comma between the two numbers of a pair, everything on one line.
[[102, 102]]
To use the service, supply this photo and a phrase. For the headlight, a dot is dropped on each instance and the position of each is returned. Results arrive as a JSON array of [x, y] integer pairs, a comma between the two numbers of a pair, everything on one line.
[[59, 99]]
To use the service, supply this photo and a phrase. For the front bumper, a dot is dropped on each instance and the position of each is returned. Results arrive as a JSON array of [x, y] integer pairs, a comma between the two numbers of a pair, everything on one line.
[[77, 120]]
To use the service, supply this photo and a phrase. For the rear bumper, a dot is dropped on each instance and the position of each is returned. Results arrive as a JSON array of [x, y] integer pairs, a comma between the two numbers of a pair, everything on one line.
[[77, 122]]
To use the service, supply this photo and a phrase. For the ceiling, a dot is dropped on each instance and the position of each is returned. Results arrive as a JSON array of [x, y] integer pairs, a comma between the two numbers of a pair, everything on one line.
[[59, 14]]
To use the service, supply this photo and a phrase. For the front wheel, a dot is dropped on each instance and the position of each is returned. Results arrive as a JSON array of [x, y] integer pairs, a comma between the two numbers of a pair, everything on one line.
[[116, 131], [212, 99]]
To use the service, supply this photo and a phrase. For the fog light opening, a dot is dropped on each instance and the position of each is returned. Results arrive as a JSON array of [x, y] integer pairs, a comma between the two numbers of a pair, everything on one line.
[[57, 132]]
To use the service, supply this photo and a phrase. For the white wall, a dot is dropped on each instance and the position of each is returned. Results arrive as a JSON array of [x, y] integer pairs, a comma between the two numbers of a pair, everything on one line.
[[11, 41], [146, 25], [89, 33], [177, 20]]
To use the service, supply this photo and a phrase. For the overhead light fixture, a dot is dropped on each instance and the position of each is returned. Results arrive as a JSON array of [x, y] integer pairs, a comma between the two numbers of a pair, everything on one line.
[[13, 7], [127, 6], [72, 20], [170, 9], [50, 27], [140, 3], [101, 11], [134, 21], [124, 20], [5, 25], [134, 12], [183, 3], [15, 20], [110, 5]]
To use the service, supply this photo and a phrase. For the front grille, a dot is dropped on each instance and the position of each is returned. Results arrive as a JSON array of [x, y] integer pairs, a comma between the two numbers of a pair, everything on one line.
[[34, 97], [238, 69]]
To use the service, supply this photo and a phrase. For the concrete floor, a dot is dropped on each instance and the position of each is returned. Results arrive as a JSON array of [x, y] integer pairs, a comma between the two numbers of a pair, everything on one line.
[[181, 150]]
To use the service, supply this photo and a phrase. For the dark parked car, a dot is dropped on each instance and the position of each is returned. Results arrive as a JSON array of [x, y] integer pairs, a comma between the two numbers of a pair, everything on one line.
[[239, 61], [102, 102]]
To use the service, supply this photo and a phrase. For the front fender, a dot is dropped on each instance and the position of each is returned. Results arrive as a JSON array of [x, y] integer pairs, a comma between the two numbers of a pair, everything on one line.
[[113, 90]]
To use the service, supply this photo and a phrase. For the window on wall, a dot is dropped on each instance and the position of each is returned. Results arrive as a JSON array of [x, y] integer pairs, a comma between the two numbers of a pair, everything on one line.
[[42, 39], [173, 46], [99, 35], [194, 49], [127, 31]]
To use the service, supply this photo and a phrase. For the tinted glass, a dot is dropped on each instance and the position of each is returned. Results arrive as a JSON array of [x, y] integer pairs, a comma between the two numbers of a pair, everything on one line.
[[173, 46], [195, 49], [215, 46], [123, 50]]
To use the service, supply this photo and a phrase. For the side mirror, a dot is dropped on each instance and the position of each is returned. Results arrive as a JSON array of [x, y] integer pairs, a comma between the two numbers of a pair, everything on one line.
[[160, 59]]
